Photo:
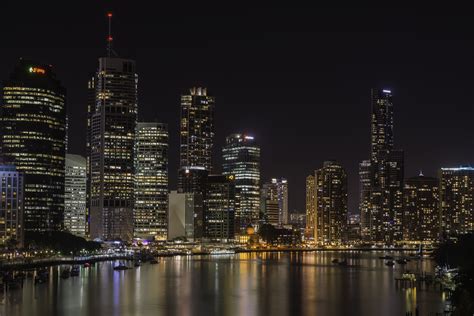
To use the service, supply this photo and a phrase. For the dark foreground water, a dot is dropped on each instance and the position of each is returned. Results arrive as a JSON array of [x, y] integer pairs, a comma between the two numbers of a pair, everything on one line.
[[266, 284]]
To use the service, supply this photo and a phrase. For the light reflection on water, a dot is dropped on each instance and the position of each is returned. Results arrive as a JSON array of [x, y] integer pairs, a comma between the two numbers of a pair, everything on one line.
[[243, 284]]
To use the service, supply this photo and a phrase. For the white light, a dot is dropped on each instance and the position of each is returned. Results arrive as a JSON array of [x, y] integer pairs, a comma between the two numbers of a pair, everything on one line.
[[386, 91]]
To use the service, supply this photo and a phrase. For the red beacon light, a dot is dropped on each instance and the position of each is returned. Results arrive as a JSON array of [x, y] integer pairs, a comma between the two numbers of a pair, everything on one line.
[[109, 14]]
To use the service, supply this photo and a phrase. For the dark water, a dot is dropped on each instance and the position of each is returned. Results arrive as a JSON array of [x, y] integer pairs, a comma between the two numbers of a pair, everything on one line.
[[267, 284]]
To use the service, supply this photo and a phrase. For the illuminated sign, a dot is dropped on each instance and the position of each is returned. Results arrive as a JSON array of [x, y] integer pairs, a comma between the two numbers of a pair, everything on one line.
[[386, 91], [37, 70]]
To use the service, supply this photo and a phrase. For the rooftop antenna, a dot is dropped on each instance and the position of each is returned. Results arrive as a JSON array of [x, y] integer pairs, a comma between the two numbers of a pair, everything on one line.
[[110, 38]]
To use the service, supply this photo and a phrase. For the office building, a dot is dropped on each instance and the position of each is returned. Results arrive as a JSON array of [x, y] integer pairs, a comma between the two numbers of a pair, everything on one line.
[[456, 186], [112, 121], [33, 138], [277, 190], [11, 206], [151, 181], [185, 218], [331, 204], [241, 159], [421, 217], [219, 208], [75, 186], [310, 205]]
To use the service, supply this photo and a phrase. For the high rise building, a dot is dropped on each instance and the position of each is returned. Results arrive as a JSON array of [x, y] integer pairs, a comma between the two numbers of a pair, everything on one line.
[[219, 208], [241, 159], [275, 191], [331, 204], [112, 121], [381, 178], [33, 138], [151, 181], [456, 186], [11, 205], [196, 139], [75, 195], [185, 216], [422, 222], [310, 204]]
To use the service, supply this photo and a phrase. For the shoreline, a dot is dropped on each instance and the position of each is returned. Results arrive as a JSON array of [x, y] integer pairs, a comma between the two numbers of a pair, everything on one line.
[[6, 266]]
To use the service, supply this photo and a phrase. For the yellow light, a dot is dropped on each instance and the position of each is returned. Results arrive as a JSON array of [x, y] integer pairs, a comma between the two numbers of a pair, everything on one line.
[[37, 70]]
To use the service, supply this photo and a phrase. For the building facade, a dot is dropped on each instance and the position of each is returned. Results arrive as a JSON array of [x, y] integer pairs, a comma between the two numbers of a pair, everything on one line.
[[185, 218], [241, 159], [151, 181], [219, 208], [11, 206], [276, 190], [310, 205], [112, 121], [196, 139], [456, 186], [75, 189], [421, 218], [33, 138], [331, 204]]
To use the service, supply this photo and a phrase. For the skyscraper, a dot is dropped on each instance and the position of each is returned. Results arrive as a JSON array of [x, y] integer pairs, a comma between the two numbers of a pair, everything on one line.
[[422, 221], [33, 138], [11, 205], [185, 216], [381, 178], [456, 186], [310, 204], [219, 208], [275, 191], [151, 181], [241, 158], [75, 195], [331, 204], [196, 139], [112, 121]]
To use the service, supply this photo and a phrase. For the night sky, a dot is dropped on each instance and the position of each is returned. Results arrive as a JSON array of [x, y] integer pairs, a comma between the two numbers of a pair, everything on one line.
[[297, 78]]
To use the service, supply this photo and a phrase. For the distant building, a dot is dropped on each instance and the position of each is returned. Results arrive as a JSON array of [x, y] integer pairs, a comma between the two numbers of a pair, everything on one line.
[[298, 220], [33, 138], [331, 204], [310, 204], [219, 208], [422, 222], [185, 216], [365, 187], [75, 195], [457, 200], [196, 139], [241, 159], [353, 228], [112, 121], [275, 190], [150, 215], [11, 205]]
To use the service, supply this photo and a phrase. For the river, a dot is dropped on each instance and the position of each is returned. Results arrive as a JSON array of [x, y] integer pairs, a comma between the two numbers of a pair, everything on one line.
[[268, 284]]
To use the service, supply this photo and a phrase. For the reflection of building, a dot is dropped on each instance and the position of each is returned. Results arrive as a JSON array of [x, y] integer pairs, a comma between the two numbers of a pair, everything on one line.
[[275, 191], [219, 208], [241, 158], [112, 121], [381, 178], [456, 200], [33, 138], [421, 211], [185, 216], [75, 195], [310, 204], [331, 204], [11, 205], [196, 139], [150, 215]]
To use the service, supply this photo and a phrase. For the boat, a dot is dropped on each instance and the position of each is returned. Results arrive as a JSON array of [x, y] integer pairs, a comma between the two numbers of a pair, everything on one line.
[[121, 267], [335, 260], [222, 252], [66, 273], [137, 264], [401, 261], [75, 271], [343, 262], [386, 257], [153, 261], [389, 263], [87, 265]]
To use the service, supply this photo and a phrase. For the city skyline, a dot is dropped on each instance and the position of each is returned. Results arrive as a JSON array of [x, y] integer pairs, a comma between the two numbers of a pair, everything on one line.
[[318, 89]]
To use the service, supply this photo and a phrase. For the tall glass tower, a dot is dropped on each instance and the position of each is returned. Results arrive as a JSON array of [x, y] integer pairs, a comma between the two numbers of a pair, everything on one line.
[[151, 181], [112, 121], [33, 138], [75, 195], [241, 159]]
